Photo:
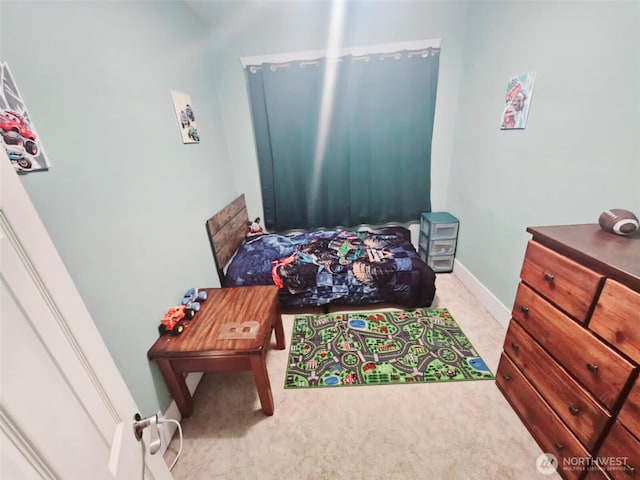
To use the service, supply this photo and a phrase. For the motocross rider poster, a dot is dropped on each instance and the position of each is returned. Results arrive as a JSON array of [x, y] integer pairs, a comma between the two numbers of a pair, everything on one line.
[[517, 101], [186, 117], [19, 137]]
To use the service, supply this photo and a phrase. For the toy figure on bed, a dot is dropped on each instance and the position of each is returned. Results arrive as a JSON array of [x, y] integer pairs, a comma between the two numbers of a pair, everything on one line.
[[254, 229]]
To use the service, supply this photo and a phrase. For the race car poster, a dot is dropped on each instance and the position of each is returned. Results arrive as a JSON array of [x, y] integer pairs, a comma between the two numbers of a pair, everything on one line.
[[517, 101], [186, 117], [19, 137]]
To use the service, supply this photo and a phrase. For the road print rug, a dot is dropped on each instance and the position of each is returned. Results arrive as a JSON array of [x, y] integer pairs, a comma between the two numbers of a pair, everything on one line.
[[424, 345]]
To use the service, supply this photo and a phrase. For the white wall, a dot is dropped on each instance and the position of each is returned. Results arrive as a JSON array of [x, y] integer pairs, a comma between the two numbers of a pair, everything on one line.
[[580, 151], [125, 200]]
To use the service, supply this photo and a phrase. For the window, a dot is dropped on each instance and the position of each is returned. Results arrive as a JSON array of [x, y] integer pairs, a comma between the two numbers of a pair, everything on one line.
[[345, 140]]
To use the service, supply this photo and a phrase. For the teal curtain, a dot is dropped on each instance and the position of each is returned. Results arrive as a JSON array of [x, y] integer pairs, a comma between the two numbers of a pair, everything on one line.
[[342, 143]]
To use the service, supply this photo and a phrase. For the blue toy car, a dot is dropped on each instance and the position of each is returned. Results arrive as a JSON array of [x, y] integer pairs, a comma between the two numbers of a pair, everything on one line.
[[192, 299]]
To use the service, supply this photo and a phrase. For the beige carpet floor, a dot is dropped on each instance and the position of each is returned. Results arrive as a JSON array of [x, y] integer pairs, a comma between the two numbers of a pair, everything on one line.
[[461, 430]]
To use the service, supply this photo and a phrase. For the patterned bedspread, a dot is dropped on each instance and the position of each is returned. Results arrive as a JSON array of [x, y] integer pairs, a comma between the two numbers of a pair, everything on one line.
[[336, 266]]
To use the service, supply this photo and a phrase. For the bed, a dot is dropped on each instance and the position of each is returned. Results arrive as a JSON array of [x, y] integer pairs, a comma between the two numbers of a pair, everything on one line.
[[323, 267]]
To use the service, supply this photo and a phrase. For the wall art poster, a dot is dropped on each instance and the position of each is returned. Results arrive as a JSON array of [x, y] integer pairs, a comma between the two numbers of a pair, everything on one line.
[[186, 117], [517, 101], [19, 137]]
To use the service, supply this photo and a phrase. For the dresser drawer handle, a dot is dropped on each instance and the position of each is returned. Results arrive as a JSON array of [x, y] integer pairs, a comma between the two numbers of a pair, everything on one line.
[[592, 368], [574, 410], [506, 377], [524, 309], [515, 346], [558, 446], [548, 277], [629, 469]]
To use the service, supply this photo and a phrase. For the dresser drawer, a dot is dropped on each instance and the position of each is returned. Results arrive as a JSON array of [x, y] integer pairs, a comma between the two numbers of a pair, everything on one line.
[[619, 455], [579, 411], [616, 318], [630, 412], [565, 283], [602, 370], [543, 423]]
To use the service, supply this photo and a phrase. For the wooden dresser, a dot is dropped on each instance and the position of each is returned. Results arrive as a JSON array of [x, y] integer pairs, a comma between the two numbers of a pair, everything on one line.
[[571, 353]]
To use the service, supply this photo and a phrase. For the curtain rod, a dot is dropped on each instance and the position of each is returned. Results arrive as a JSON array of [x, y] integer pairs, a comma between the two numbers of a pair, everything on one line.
[[355, 51]]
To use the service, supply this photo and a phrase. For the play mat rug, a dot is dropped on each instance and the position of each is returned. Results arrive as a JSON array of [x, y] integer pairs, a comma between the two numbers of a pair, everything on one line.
[[380, 348]]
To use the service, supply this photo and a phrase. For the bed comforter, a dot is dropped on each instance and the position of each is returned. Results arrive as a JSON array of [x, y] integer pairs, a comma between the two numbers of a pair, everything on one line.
[[336, 267]]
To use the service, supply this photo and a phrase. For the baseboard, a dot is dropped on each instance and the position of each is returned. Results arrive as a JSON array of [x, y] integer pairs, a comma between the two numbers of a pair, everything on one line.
[[168, 429], [501, 313]]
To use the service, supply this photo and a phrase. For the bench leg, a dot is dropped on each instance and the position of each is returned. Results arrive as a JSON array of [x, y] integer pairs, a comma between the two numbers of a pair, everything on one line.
[[177, 386], [277, 326], [261, 377]]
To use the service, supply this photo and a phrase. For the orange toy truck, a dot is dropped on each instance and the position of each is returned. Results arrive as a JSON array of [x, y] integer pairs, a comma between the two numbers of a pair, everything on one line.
[[173, 320]]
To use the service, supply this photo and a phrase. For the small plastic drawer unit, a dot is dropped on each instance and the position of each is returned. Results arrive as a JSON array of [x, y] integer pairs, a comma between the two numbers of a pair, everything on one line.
[[438, 239]]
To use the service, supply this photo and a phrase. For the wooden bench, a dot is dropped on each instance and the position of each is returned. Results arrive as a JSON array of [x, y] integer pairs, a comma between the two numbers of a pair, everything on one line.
[[231, 332]]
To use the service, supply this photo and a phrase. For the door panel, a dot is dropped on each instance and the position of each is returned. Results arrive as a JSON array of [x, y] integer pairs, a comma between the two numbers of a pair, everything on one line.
[[36, 395], [65, 411]]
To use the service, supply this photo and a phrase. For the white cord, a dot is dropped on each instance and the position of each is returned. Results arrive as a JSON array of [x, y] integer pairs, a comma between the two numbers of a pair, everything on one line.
[[164, 420]]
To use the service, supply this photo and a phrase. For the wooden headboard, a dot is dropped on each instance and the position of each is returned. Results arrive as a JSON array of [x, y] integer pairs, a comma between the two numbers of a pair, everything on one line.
[[226, 231]]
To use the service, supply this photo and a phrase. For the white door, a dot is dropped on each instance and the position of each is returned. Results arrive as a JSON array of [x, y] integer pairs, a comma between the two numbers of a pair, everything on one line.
[[65, 411]]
